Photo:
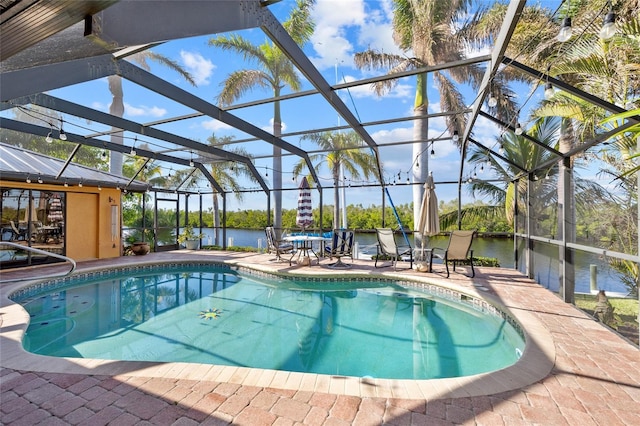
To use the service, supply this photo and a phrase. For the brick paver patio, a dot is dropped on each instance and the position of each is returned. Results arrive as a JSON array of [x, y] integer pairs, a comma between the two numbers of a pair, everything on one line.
[[579, 373]]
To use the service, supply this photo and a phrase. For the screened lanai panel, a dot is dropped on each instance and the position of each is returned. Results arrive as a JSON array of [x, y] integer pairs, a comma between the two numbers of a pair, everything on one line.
[[167, 208], [606, 199], [190, 210], [543, 203], [592, 271], [137, 217]]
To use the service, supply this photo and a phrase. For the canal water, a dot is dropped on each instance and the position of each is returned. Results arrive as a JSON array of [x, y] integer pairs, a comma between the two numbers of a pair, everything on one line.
[[500, 248]]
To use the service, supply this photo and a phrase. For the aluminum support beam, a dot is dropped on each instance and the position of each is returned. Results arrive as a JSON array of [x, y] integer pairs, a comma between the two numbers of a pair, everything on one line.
[[68, 161], [583, 147], [298, 133], [370, 80], [187, 177], [210, 178], [29, 81], [524, 134], [151, 82], [289, 47], [76, 110], [19, 126], [130, 23], [138, 171], [568, 88], [566, 231], [506, 31], [529, 250]]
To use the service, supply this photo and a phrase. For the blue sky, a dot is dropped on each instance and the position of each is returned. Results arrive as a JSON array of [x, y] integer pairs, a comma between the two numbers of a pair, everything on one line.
[[343, 27]]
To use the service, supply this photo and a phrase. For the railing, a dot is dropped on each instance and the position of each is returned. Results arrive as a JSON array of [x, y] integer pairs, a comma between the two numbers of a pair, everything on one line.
[[44, 252]]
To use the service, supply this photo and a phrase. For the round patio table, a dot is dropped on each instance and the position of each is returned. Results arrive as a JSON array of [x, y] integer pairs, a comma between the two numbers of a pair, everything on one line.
[[303, 245]]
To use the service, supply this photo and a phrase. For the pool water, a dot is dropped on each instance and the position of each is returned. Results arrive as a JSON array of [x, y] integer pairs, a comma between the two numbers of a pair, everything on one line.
[[216, 315]]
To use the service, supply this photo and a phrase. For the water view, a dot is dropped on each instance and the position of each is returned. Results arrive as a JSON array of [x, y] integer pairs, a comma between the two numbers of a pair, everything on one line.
[[499, 248]]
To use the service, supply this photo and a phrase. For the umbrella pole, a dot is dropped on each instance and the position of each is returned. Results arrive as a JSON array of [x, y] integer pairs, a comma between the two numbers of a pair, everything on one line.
[[421, 258]]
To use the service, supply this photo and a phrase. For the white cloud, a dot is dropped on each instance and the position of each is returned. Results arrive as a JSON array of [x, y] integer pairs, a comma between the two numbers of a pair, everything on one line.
[[434, 107], [400, 90], [199, 67], [365, 21], [214, 125], [331, 46], [377, 30], [486, 132], [143, 110], [99, 106], [393, 135], [472, 53], [269, 128], [339, 13]]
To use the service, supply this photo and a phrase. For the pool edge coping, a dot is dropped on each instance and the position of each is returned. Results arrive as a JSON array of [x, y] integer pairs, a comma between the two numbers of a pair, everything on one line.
[[536, 362]]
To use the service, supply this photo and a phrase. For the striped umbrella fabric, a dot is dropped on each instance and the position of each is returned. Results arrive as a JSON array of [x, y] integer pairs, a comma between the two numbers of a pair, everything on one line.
[[304, 217]]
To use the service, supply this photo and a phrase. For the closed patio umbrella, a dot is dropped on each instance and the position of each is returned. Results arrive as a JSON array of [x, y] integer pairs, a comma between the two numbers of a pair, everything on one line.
[[304, 217], [429, 222]]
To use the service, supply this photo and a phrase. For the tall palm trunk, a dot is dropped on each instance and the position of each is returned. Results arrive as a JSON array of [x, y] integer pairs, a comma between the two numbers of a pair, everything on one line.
[[117, 109], [277, 167], [420, 151]]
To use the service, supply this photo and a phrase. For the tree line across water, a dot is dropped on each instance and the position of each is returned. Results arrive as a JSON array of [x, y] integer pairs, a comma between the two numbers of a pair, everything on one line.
[[358, 217]]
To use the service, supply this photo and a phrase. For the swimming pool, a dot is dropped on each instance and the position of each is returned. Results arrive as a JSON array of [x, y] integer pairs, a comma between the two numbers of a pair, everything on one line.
[[218, 314]]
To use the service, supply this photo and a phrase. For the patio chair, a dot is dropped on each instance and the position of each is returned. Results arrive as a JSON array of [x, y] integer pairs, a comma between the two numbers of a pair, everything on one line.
[[458, 250], [387, 247], [341, 246], [275, 246]]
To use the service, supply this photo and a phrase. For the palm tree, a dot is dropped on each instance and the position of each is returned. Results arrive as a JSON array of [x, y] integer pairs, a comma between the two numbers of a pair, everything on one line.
[[517, 150], [117, 102], [145, 171], [274, 71], [86, 155], [344, 152], [608, 68], [426, 29], [504, 193], [225, 173]]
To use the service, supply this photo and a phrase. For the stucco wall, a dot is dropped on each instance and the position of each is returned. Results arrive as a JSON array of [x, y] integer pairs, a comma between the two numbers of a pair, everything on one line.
[[88, 219]]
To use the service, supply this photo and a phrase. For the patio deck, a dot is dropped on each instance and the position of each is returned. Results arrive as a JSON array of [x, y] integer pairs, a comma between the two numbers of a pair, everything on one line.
[[574, 371]]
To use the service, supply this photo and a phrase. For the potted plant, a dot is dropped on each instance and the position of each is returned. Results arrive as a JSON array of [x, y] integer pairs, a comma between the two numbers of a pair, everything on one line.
[[189, 238], [137, 243]]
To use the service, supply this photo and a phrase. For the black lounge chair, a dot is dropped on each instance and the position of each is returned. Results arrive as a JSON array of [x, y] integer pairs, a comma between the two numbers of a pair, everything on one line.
[[341, 246]]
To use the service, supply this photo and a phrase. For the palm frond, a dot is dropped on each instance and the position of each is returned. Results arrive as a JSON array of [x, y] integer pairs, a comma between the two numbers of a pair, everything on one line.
[[449, 221], [240, 45], [240, 82], [299, 24], [171, 64], [373, 59]]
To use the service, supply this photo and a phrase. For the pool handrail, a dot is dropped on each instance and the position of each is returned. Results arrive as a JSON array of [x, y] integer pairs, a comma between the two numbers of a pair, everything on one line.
[[44, 252]]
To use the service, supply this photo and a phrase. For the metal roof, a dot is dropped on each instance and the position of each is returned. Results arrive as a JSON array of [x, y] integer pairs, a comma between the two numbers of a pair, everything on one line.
[[20, 164], [27, 22]]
